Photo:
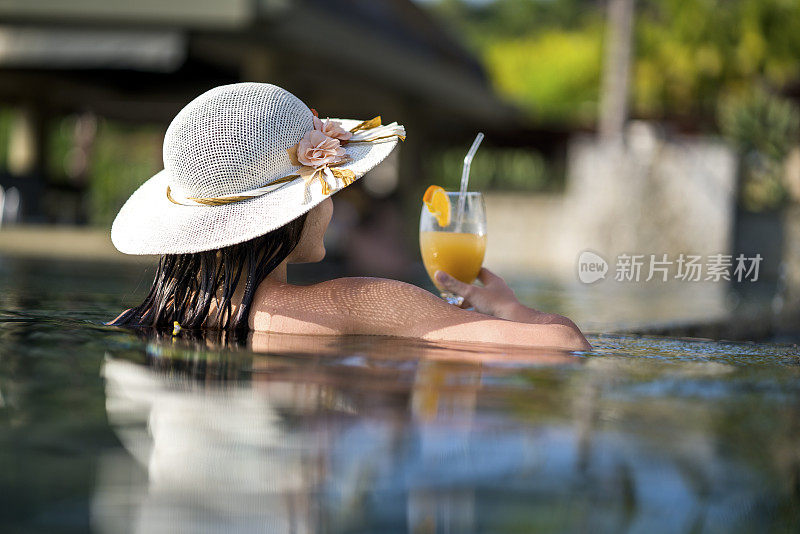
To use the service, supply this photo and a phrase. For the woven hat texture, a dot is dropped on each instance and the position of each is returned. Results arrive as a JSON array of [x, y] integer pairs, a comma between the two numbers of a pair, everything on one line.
[[231, 139]]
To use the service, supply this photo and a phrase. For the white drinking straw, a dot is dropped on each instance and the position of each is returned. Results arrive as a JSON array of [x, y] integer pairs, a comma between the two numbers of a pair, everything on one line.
[[465, 178]]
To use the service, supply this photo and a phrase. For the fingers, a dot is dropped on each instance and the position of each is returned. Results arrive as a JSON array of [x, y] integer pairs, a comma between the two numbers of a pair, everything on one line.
[[487, 277], [451, 284]]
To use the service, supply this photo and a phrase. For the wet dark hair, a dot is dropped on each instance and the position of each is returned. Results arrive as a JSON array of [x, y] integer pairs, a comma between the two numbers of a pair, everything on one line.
[[185, 284]]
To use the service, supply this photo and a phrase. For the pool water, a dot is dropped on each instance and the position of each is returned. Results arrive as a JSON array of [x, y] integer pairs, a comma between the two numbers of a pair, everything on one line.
[[111, 431]]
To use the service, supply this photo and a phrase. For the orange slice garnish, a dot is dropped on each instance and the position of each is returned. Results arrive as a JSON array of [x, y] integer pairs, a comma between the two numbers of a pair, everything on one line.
[[438, 204]]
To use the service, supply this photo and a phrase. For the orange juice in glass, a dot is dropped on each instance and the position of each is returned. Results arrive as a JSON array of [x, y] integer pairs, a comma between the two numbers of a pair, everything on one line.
[[447, 244]]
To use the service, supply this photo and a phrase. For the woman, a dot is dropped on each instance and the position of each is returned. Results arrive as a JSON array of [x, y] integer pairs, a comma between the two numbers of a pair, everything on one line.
[[245, 191]]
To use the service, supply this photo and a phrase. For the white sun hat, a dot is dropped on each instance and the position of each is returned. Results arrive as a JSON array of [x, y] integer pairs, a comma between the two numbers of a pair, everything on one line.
[[241, 160]]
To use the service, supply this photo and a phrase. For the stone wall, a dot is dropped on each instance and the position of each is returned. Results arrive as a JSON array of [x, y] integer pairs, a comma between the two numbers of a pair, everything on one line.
[[651, 195], [648, 196]]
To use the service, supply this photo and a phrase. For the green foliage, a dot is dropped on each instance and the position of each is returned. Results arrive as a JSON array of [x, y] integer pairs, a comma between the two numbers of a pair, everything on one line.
[[689, 52], [59, 145], [495, 168], [546, 55], [481, 25], [6, 119], [124, 157], [763, 127], [554, 75], [758, 120]]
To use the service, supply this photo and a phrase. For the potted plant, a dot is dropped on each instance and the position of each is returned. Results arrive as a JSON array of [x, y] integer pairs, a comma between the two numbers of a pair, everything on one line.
[[763, 128]]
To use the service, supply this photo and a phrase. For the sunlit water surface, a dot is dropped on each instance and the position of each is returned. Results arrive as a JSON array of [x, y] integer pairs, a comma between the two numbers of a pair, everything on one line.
[[105, 430]]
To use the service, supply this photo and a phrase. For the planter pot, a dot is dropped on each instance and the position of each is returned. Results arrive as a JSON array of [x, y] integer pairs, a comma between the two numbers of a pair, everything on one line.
[[760, 233]]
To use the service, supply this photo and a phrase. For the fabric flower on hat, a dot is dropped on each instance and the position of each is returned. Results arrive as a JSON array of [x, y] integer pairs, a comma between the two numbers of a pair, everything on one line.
[[332, 129], [316, 152], [316, 149], [320, 150]]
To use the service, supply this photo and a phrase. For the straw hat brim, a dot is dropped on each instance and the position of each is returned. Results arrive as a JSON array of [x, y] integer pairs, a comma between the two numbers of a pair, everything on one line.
[[149, 223]]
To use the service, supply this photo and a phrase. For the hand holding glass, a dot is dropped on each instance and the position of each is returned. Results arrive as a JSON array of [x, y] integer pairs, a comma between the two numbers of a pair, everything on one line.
[[457, 248]]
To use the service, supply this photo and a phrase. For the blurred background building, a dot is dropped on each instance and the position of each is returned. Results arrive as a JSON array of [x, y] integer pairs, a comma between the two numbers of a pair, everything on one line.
[[131, 65], [649, 127]]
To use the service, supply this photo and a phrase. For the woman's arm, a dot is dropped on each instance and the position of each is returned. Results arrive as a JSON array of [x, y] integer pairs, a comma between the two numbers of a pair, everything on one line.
[[378, 306], [506, 332], [439, 321]]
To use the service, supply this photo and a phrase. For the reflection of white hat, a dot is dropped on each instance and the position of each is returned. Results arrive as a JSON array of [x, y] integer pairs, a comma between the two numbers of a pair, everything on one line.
[[241, 160], [214, 457]]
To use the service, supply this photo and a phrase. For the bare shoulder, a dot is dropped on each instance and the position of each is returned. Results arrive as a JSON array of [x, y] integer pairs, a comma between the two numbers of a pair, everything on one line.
[[372, 289], [354, 305]]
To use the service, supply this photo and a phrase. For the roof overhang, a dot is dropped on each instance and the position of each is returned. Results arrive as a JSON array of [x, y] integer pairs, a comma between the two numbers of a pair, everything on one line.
[[91, 48], [178, 13]]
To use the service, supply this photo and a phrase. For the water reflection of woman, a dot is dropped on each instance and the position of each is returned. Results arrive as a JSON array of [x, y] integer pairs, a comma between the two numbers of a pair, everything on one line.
[[275, 438]]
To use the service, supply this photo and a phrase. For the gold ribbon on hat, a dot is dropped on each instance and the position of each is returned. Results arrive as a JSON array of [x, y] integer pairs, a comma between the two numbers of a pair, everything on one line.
[[369, 131]]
